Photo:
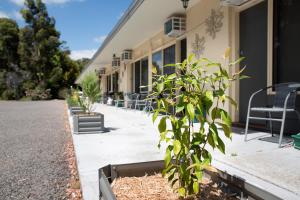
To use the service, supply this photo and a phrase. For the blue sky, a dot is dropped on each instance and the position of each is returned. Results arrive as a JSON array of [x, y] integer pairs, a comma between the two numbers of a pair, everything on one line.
[[83, 24]]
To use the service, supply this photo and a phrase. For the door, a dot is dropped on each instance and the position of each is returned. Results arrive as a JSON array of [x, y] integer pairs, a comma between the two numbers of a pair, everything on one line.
[[253, 46]]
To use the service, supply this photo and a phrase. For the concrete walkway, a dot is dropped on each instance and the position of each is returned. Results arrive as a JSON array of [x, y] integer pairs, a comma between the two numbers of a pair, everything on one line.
[[133, 138]]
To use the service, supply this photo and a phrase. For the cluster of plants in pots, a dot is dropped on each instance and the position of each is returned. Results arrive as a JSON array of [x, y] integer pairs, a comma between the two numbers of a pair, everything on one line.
[[81, 105], [198, 90]]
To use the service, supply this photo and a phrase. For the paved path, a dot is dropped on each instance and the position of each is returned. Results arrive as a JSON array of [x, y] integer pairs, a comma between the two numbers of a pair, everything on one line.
[[133, 138], [32, 162]]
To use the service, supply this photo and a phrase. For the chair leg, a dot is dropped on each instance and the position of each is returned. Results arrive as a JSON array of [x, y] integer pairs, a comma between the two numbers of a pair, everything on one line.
[[282, 128], [247, 125], [271, 126]]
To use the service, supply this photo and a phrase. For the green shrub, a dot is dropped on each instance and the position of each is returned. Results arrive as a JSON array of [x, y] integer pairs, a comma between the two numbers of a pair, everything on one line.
[[196, 91], [91, 92], [73, 98], [38, 93], [9, 94], [63, 93]]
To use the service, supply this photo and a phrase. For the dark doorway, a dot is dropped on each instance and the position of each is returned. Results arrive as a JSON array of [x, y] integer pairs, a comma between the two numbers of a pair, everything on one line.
[[253, 46], [285, 52]]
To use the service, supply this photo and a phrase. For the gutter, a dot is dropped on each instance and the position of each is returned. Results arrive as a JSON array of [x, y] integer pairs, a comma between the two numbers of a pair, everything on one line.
[[124, 19]]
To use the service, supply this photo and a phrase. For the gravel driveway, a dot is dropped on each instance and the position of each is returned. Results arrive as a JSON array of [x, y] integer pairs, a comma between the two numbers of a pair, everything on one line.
[[32, 157]]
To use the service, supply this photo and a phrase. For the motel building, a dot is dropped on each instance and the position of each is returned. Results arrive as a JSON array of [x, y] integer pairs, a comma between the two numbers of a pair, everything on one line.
[[153, 33]]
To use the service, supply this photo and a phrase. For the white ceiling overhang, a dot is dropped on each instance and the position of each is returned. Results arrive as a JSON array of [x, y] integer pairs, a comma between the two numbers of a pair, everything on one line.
[[142, 20]]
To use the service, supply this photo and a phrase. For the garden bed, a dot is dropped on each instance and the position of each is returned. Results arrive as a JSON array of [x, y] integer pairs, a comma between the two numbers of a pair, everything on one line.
[[88, 123], [156, 187], [118, 182]]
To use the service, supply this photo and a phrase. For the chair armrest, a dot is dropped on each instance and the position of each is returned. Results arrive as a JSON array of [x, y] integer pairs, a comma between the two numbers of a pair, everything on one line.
[[287, 98], [257, 92]]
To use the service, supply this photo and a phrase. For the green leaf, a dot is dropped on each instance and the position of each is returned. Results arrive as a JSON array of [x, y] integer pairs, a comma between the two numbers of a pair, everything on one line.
[[214, 135], [177, 147], [171, 77], [168, 156], [162, 126], [199, 175], [226, 118], [154, 116], [191, 111], [196, 187], [221, 145], [181, 192], [210, 139], [243, 77], [179, 109], [237, 61], [160, 87]]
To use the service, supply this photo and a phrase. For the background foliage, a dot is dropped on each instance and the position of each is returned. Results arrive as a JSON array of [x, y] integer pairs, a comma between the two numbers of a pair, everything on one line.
[[33, 60]]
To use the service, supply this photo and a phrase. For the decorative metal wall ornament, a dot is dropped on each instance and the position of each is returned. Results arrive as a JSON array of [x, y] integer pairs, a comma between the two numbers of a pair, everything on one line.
[[198, 45], [214, 22]]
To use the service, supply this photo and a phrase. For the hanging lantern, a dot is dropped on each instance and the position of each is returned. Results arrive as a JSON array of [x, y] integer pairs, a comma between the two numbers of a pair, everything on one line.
[[185, 3]]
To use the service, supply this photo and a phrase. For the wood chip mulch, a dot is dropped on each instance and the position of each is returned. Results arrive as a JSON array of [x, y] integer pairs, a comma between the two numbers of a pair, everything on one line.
[[156, 187], [73, 187]]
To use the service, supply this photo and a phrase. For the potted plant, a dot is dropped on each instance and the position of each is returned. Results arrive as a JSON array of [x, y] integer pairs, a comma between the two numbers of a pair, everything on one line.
[[73, 103], [89, 121], [198, 93], [198, 90]]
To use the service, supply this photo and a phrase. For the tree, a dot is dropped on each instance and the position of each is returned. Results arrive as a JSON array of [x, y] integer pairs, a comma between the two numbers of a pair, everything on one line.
[[9, 40], [10, 74], [39, 44]]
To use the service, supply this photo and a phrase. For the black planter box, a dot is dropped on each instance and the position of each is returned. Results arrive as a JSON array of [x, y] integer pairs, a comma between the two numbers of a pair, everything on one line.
[[235, 184]]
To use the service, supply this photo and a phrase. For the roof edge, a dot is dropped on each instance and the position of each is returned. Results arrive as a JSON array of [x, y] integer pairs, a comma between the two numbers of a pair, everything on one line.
[[135, 4]]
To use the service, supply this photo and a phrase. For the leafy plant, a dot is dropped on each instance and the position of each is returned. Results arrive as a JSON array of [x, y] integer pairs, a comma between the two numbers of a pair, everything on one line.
[[197, 91], [73, 98], [91, 92]]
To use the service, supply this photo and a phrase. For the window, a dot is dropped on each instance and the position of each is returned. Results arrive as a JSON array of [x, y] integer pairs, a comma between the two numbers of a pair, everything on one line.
[[137, 78], [115, 82], [286, 41], [144, 75], [108, 83], [157, 62], [141, 75], [169, 58]]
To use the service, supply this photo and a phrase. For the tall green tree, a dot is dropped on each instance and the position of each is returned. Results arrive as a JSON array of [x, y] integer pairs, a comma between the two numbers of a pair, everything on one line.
[[9, 41], [39, 45], [9, 71]]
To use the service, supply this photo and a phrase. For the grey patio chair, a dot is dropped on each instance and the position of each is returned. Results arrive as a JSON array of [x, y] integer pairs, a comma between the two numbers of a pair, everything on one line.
[[284, 101], [131, 100], [141, 101]]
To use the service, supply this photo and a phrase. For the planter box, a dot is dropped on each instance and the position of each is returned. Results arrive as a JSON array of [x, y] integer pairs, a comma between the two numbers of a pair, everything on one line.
[[234, 184], [75, 110], [88, 124], [296, 141]]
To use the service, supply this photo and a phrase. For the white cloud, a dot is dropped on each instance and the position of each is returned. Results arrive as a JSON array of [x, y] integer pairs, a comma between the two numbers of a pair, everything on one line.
[[18, 2], [21, 2], [100, 39], [78, 54], [17, 15], [3, 15]]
